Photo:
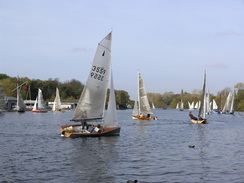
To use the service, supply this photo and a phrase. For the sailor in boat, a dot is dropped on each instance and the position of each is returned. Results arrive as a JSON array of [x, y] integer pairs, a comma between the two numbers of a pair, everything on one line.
[[192, 116], [142, 116]]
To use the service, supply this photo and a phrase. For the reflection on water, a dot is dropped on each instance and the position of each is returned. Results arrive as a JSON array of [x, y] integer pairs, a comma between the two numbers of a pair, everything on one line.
[[149, 151]]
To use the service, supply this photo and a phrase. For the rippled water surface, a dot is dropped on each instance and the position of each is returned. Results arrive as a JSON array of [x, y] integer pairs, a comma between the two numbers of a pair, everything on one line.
[[32, 150]]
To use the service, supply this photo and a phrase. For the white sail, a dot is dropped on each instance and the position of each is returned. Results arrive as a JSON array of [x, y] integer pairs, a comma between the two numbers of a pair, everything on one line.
[[191, 105], [111, 116], [92, 101], [227, 103], [39, 103], [143, 99], [196, 106], [57, 102], [136, 108], [177, 106], [141, 104], [232, 102], [215, 106], [20, 101], [207, 101], [35, 106], [181, 106], [40, 99]]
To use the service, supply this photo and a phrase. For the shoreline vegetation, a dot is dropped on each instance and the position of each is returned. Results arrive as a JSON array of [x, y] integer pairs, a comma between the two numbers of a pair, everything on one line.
[[71, 90]]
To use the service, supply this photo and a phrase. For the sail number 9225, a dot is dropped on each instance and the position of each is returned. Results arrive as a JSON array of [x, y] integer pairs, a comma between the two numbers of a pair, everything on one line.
[[98, 73]]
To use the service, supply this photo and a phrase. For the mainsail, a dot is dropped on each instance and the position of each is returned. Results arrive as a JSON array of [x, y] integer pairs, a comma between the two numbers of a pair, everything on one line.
[[215, 106], [57, 102], [232, 102], [143, 105], [20, 101], [143, 99], [39, 103], [92, 101], [228, 102]]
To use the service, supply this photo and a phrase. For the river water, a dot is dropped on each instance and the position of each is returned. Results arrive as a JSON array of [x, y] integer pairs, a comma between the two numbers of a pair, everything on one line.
[[32, 150]]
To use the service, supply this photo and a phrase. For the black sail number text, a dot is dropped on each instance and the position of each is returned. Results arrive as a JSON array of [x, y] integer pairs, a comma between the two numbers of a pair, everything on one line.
[[98, 73]]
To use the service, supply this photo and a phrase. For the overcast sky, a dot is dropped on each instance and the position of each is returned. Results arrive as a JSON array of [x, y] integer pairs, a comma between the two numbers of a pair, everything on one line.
[[171, 42]]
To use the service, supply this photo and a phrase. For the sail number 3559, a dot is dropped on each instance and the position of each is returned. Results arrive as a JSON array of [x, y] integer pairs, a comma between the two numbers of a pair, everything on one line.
[[98, 73]]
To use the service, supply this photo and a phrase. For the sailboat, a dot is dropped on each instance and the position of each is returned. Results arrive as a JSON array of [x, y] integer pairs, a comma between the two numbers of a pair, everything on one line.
[[142, 108], [232, 103], [202, 109], [177, 106], [39, 103], [214, 107], [229, 104], [20, 102], [20, 106], [191, 106], [57, 102], [91, 105]]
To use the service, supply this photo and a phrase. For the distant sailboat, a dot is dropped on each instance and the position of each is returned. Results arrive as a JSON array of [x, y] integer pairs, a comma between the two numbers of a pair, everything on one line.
[[229, 104], [20, 106], [57, 102], [91, 105], [202, 109], [39, 103], [142, 108], [177, 106], [191, 106], [215, 107], [20, 102]]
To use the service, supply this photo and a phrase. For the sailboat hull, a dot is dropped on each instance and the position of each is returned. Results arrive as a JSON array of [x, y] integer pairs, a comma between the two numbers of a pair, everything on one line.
[[106, 131], [144, 118], [39, 111], [198, 121]]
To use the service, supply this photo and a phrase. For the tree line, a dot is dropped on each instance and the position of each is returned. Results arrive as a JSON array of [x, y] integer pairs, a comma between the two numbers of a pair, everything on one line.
[[71, 90]]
